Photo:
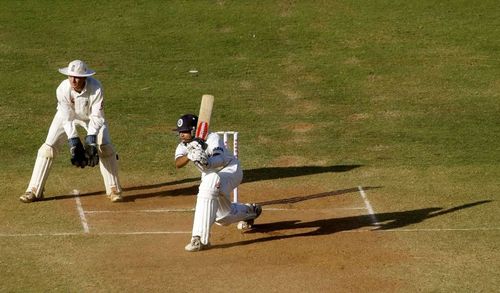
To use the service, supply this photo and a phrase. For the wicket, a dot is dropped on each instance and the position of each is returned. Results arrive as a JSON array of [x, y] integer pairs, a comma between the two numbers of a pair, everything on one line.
[[225, 135]]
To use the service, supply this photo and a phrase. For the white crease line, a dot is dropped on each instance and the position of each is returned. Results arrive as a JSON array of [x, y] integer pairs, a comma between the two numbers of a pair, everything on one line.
[[81, 212], [189, 232], [329, 209], [368, 206], [140, 211], [192, 210], [41, 234], [97, 234], [144, 233], [422, 230]]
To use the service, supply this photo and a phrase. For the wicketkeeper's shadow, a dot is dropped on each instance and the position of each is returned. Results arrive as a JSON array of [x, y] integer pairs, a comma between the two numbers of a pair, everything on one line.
[[386, 221]]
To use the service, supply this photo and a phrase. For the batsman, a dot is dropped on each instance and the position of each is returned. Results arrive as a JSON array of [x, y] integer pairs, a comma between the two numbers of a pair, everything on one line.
[[79, 104], [220, 174]]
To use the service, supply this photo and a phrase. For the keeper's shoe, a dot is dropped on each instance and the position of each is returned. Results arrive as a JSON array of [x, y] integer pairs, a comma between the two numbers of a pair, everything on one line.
[[30, 196], [196, 245]]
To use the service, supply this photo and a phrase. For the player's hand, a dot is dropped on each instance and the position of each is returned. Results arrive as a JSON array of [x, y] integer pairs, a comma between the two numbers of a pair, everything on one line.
[[195, 144], [91, 150], [77, 152], [195, 154], [199, 157]]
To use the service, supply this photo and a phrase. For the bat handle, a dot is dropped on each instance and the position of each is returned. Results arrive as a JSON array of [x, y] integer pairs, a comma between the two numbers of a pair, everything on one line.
[[201, 142]]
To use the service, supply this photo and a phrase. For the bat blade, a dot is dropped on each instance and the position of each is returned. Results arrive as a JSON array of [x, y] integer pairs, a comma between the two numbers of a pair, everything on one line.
[[207, 103]]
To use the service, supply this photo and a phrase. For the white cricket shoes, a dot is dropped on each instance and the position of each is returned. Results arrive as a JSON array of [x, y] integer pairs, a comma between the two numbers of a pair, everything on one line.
[[115, 197], [196, 245], [254, 211], [29, 196]]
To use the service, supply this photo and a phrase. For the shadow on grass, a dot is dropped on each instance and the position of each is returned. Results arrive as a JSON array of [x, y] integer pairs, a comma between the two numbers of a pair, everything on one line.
[[313, 196], [179, 191], [270, 173], [251, 175], [386, 221]]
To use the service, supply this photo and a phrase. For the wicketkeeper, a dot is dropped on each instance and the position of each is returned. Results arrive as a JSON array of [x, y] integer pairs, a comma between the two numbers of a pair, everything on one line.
[[220, 174], [79, 104]]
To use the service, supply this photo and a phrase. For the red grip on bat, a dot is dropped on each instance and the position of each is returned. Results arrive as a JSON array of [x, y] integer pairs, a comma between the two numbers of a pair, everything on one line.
[[202, 130]]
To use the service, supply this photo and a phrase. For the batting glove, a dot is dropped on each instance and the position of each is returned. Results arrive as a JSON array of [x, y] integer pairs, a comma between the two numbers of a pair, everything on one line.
[[199, 158]]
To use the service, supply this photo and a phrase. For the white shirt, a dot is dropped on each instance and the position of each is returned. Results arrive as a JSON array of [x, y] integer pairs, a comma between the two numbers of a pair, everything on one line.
[[86, 106]]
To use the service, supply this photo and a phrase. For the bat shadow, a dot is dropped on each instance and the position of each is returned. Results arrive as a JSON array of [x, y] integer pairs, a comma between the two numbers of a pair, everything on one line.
[[386, 221]]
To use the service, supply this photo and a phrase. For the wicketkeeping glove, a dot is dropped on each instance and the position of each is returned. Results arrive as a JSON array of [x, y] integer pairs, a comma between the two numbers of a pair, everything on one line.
[[77, 152], [91, 150]]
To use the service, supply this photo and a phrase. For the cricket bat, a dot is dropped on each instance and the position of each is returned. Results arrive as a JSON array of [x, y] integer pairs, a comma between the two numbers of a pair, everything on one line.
[[207, 103]]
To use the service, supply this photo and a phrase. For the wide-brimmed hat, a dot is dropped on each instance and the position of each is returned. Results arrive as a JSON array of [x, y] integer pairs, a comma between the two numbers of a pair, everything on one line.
[[77, 68]]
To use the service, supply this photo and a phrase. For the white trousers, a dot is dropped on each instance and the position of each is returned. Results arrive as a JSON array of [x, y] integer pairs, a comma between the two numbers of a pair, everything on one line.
[[57, 140], [213, 204]]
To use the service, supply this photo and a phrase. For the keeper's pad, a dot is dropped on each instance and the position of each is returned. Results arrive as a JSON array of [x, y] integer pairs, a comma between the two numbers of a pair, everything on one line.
[[109, 168], [43, 162]]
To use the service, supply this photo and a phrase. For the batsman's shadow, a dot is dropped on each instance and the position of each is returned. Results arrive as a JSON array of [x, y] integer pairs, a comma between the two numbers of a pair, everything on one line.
[[270, 173], [386, 221], [251, 175], [296, 199]]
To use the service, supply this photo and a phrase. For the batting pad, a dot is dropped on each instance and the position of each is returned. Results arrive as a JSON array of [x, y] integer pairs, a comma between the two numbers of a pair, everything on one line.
[[108, 163], [205, 213], [41, 169], [229, 213]]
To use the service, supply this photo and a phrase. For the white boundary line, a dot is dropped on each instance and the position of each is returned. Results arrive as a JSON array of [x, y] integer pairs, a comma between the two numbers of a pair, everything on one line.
[[81, 212], [371, 213]]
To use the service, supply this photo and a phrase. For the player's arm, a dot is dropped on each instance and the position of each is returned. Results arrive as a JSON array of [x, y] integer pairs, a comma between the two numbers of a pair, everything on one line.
[[64, 109], [96, 122], [181, 158], [181, 161], [66, 113], [96, 115], [216, 150]]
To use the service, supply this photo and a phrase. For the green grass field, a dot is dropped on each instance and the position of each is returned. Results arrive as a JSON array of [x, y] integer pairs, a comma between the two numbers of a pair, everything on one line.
[[407, 92]]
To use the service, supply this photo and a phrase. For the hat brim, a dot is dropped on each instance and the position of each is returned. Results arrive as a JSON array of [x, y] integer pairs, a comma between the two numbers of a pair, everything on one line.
[[65, 71]]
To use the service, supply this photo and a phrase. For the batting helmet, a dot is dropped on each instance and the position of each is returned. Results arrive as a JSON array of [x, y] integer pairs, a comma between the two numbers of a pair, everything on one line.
[[187, 122]]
